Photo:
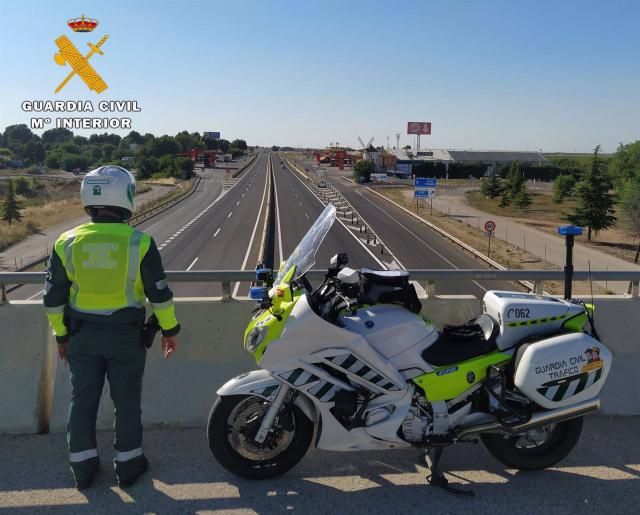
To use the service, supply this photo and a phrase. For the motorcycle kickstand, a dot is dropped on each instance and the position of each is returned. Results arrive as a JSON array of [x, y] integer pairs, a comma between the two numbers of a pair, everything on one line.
[[432, 457]]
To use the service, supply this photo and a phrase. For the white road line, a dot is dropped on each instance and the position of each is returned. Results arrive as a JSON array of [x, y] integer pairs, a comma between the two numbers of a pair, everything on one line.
[[307, 215], [275, 190], [419, 239], [295, 174], [191, 265], [253, 234], [216, 233], [229, 215], [32, 296], [237, 203]]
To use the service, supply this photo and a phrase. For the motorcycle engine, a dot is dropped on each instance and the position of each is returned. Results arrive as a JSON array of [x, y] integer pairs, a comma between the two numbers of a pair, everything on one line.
[[417, 425]]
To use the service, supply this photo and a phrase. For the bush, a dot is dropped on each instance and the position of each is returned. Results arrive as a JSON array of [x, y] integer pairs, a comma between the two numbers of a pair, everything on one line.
[[363, 169], [22, 186], [563, 187]]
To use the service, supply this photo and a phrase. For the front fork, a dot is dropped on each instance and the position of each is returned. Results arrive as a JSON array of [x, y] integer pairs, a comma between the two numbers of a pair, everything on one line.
[[272, 411]]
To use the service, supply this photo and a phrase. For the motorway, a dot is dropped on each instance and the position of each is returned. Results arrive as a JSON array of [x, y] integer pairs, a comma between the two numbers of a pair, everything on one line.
[[220, 227], [411, 243]]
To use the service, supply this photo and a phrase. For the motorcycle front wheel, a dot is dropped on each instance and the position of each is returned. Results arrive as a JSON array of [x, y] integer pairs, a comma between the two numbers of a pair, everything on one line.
[[234, 421], [536, 449]]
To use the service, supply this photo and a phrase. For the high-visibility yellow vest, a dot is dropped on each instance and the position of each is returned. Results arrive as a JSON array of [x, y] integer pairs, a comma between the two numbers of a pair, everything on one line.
[[102, 261]]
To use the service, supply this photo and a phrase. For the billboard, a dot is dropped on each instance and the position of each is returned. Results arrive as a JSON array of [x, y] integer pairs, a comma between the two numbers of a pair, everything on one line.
[[418, 127], [211, 135]]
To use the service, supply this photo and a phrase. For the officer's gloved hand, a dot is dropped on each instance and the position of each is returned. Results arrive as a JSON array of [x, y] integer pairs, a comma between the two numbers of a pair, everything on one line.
[[168, 345]]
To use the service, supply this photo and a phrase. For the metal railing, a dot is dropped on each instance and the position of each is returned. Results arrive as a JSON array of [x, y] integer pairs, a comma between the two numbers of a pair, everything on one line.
[[427, 277]]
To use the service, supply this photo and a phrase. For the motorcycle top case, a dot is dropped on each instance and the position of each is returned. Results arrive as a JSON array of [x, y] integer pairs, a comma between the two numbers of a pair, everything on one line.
[[562, 370], [521, 315]]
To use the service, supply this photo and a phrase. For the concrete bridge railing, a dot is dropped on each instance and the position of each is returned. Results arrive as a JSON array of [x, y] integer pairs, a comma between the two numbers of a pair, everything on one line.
[[179, 392]]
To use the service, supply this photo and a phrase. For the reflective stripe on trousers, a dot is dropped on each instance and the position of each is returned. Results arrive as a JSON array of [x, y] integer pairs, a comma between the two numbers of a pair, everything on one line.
[[128, 455], [77, 457]]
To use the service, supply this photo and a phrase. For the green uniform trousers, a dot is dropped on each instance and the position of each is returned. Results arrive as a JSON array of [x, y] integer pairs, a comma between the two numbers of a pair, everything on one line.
[[117, 352]]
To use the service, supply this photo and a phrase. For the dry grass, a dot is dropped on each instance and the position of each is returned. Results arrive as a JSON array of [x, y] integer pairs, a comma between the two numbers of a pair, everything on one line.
[[508, 255], [545, 215], [38, 218]]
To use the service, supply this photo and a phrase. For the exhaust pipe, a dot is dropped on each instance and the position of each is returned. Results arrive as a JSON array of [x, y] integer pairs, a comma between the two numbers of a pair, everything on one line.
[[537, 419]]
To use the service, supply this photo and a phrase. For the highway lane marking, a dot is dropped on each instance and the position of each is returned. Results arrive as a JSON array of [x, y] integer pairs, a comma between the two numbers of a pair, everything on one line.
[[295, 174], [216, 233], [203, 211], [253, 234], [419, 239], [35, 295], [306, 216], [191, 265], [237, 203], [275, 190], [229, 215]]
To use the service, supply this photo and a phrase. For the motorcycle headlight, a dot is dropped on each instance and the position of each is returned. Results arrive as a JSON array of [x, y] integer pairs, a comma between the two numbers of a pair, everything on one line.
[[255, 337]]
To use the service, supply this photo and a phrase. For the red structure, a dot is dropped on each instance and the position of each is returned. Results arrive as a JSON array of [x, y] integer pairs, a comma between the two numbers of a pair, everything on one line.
[[340, 155], [206, 157]]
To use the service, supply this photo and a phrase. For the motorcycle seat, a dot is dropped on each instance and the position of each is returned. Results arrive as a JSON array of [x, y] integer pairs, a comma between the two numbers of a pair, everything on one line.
[[462, 342]]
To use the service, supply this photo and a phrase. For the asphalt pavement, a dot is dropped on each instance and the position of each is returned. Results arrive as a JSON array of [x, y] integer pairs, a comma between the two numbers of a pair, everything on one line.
[[297, 208], [601, 475], [412, 243]]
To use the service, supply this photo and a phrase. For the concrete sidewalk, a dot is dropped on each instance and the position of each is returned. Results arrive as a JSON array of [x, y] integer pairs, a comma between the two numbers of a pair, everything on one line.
[[40, 244], [600, 476], [541, 244]]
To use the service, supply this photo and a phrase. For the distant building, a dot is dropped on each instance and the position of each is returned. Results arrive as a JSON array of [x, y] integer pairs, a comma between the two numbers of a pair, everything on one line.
[[406, 158]]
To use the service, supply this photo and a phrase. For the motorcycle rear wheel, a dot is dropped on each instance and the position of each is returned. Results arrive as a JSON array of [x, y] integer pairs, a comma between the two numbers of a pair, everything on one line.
[[233, 422], [537, 449]]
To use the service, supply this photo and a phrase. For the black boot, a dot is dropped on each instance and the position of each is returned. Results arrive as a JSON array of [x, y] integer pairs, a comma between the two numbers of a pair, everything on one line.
[[134, 469]]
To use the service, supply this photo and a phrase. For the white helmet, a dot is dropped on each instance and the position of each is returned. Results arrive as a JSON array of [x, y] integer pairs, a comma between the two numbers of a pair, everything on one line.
[[108, 186]]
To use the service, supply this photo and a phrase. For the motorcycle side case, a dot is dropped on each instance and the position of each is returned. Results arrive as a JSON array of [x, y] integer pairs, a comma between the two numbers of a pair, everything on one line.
[[562, 370]]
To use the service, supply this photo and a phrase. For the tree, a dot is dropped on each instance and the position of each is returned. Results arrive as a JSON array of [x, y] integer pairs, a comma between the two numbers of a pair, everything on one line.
[[563, 186], [53, 136], [625, 163], [522, 199], [239, 143], [275, 148], [505, 199], [184, 165], [22, 186], [34, 151], [164, 145], [630, 203], [363, 168], [595, 206], [11, 206], [493, 187]]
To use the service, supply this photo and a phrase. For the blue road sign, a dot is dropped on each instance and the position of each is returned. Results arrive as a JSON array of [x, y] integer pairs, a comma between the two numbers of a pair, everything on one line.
[[425, 182], [569, 230], [424, 193]]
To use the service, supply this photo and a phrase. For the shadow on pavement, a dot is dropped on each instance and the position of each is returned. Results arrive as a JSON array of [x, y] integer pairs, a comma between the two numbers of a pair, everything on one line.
[[602, 474]]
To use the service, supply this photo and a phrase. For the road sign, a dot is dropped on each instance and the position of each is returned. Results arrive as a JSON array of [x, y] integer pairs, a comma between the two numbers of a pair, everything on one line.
[[424, 182], [491, 234], [424, 193], [490, 226]]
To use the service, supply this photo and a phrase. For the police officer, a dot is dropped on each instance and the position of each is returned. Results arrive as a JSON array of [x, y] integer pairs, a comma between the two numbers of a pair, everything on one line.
[[98, 277]]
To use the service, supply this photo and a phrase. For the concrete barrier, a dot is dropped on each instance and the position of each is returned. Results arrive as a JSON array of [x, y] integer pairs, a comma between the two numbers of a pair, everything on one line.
[[25, 367], [179, 391]]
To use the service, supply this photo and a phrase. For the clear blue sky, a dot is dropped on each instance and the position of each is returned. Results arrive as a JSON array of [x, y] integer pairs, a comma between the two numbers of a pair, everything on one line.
[[556, 75]]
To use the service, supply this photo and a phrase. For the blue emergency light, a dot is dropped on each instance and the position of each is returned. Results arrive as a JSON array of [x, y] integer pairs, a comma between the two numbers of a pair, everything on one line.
[[258, 292], [569, 230]]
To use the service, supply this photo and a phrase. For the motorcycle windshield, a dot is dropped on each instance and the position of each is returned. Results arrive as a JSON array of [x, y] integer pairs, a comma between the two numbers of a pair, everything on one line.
[[304, 255]]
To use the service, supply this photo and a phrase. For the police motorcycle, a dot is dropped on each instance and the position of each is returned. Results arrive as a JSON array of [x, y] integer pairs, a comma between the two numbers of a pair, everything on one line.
[[351, 365]]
